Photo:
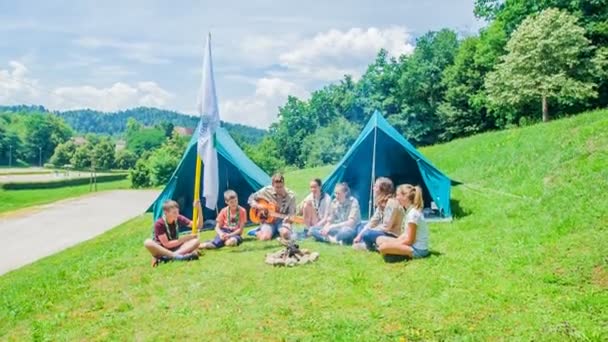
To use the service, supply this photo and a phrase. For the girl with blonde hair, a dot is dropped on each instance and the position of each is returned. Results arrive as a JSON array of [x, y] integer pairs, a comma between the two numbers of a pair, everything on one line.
[[414, 242]]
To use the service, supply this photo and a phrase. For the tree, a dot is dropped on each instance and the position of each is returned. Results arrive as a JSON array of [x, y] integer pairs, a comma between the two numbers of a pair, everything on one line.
[[265, 155], [63, 153], [329, 144], [103, 154], [296, 123], [146, 139], [10, 145], [545, 60], [125, 159], [82, 157], [464, 112], [420, 86], [166, 127], [42, 134]]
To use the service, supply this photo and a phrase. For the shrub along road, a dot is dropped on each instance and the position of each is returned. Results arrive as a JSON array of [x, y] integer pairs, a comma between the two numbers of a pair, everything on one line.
[[54, 227]]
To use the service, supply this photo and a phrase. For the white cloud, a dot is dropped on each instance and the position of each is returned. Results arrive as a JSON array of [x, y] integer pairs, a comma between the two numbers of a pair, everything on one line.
[[329, 55], [261, 108], [326, 57], [15, 85], [116, 97]]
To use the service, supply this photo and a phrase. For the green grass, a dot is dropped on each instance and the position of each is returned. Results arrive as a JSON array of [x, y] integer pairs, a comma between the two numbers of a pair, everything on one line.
[[18, 199], [525, 259]]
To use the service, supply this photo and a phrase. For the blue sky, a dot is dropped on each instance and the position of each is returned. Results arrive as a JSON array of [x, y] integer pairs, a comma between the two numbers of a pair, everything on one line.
[[112, 55]]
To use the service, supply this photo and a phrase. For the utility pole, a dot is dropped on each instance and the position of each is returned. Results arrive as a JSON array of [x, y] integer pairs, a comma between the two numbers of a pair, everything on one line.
[[40, 156], [10, 155]]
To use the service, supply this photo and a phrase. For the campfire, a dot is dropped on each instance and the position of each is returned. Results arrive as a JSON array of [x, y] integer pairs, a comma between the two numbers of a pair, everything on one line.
[[291, 255]]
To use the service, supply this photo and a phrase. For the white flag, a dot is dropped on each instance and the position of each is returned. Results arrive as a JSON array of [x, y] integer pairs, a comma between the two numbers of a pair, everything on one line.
[[210, 120]]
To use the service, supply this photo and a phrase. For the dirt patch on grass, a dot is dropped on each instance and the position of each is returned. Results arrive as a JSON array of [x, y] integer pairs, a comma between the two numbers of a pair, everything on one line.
[[600, 277]]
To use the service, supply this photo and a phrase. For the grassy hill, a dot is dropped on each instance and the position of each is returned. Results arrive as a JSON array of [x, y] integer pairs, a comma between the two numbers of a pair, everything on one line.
[[525, 259]]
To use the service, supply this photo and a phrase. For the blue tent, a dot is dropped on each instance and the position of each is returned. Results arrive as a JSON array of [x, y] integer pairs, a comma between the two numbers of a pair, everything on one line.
[[236, 172], [380, 151]]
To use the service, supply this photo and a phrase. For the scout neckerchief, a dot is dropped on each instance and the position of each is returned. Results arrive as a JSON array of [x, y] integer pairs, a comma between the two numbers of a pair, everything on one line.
[[234, 221], [344, 213], [316, 204], [168, 231]]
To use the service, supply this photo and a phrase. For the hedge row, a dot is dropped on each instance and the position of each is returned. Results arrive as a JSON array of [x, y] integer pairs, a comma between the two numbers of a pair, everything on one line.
[[61, 183]]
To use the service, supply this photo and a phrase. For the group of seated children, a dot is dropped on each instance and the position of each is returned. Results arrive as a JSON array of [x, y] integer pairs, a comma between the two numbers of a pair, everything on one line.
[[397, 229]]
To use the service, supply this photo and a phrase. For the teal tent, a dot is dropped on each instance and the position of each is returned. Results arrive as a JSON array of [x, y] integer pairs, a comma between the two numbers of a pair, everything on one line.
[[380, 151], [236, 172]]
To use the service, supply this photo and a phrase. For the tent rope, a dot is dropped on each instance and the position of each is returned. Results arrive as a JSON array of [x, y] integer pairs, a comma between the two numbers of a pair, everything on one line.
[[481, 190]]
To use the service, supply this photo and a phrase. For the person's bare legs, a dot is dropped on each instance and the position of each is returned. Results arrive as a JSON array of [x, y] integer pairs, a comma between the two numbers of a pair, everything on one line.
[[206, 245], [188, 247], [395, 248], [310, 215], [285, 233], [265, 232], [384, 239], [157, 250]]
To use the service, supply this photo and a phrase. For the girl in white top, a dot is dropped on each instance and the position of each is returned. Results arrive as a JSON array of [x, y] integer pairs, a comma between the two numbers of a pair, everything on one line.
[[316, 205], [414, 242]]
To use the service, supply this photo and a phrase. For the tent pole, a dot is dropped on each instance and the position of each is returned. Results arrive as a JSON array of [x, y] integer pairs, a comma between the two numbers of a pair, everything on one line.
[[371, 188]]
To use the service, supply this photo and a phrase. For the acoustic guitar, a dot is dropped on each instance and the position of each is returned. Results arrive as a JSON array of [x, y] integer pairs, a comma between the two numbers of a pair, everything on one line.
[[268, 212]]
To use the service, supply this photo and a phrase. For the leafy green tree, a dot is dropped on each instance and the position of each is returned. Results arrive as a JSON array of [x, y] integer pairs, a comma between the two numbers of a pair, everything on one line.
[[296, 124], [63, 153], [103, 154], [82, 157], [42, 134], [10, 145], [420, 86], [464, 112], [145, 139], [329, 144], [545, 60], [125, 159], [265, 155], [166, 127]]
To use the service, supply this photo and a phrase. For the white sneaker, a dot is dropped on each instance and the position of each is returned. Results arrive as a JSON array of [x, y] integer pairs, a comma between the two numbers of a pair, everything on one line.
[[332, 239], [360, 246]]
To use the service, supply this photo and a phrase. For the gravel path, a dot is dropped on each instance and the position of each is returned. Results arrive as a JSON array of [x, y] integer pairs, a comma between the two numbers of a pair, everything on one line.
[[51, 228]]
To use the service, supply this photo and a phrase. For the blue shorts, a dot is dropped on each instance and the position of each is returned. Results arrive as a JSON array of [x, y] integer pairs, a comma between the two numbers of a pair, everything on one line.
[[416, 254], [273, 227], [420, 253], [219, 243]]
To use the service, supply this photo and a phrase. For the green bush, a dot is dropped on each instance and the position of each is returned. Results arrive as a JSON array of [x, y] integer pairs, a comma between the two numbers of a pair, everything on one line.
[[140, 175], [61, 183], [125, 159]]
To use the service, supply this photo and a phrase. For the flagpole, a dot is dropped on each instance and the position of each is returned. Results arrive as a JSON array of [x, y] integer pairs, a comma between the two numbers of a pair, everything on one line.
[[197, 194]]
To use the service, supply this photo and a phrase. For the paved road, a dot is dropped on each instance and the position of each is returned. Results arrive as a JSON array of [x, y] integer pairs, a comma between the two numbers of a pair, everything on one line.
[[51, 228], [47, 177]]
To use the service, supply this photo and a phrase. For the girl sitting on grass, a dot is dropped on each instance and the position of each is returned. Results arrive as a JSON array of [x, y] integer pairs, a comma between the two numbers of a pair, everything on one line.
[[387, 217], [341, 222], [315, 206], [414, 242]]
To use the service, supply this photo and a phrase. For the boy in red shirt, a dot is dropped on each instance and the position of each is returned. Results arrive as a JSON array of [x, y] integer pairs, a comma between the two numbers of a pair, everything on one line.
[[167, 244], [230, 223]]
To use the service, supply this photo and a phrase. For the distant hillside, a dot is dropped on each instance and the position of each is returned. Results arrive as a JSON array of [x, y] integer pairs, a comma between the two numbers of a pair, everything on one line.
[[114, 123]]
